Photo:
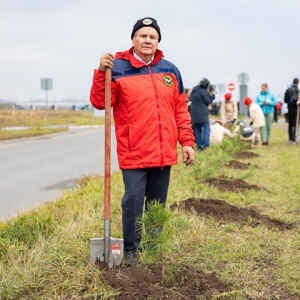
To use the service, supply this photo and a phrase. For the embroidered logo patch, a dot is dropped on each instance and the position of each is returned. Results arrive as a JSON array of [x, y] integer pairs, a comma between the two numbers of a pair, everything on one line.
[[147, 22], [168, 80]]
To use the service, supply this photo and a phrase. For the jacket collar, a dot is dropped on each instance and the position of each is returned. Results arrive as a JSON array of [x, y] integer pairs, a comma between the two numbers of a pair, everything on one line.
[[128, 55]]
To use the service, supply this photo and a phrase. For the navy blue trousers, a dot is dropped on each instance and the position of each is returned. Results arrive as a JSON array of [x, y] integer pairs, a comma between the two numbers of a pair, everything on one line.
[[141, 186]]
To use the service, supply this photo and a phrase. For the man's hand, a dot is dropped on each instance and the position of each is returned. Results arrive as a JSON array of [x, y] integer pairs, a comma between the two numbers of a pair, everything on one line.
[[187, 155], [106, 61]]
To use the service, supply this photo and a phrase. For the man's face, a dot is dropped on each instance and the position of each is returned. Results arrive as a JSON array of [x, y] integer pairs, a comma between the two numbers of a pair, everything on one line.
[[145, 42]]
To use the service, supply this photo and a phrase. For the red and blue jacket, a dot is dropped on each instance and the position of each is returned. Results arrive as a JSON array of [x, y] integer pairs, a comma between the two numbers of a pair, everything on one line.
[[149, 109]]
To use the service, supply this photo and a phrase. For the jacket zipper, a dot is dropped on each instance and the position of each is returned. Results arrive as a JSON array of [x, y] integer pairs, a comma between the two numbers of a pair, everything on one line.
[[159, 117]]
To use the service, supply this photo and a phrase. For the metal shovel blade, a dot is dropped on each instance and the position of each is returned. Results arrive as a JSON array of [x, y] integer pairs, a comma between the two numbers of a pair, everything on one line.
[[115, 251]]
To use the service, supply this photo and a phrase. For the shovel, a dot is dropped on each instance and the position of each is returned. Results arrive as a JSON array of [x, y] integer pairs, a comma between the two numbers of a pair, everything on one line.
[[107, 249]]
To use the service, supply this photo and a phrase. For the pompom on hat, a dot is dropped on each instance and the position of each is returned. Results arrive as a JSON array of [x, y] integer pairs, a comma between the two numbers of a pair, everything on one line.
[[227, 96], [247, 101], [146, 22]]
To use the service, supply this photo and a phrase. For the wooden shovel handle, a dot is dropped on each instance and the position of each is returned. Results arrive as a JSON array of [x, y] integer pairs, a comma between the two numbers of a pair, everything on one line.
[[107, 143]]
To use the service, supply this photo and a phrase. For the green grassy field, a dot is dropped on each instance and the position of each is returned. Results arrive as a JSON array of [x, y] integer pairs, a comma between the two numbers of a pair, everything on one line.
[[36, 122], [44, 254]]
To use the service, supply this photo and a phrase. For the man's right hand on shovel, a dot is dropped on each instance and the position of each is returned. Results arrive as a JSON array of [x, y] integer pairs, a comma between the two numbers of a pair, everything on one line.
[[106, 61]]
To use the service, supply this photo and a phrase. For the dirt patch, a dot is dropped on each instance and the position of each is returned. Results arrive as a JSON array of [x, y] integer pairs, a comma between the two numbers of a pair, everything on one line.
[[146, 282], [223, 211], [235, 164], [231, 184], [246, 154], [140, 282]]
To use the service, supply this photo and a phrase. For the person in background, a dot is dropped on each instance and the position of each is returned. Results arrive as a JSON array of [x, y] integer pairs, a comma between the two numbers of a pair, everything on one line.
[[201, 97], [229, 111], [257, 120], [277, 111], [291, 99], [266, 100], [151, 117], [219, 132], [188, 101]]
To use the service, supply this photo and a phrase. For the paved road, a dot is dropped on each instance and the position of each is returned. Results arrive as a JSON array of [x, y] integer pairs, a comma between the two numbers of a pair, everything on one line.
[[36, 170]]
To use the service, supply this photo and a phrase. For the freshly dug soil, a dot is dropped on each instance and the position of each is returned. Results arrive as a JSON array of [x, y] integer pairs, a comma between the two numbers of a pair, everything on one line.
[[231, 184], [235, 164], [245, 155], [222, 211], [139, 282]]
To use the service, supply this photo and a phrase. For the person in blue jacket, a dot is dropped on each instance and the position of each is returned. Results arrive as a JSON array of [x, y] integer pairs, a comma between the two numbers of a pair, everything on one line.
[[267, 101], [201, 97]]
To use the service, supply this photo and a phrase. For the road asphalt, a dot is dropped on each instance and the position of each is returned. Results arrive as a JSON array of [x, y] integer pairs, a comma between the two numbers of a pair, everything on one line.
[[38, 169]]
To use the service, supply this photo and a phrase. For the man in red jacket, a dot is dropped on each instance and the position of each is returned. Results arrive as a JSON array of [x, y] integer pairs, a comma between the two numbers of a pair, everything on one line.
[[151, 117]]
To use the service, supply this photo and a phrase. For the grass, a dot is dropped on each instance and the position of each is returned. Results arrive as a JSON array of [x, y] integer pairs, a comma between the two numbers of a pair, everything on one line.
[[36, 122], [35, 131], [44, 254], [37, 118]]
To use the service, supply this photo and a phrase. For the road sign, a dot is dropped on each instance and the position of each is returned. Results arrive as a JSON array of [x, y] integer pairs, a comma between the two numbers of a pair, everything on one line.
[[243, 78], [231, 86], [46, 84]]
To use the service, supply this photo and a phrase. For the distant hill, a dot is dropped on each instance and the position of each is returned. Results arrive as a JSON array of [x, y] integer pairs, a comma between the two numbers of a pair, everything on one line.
[[5, 102], [72, 100]]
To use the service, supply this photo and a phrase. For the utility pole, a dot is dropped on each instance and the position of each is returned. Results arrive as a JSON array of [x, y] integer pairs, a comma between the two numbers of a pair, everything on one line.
[[243, 78]]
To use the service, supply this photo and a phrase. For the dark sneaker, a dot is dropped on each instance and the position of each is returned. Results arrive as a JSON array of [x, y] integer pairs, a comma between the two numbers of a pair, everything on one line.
[[131, 258]]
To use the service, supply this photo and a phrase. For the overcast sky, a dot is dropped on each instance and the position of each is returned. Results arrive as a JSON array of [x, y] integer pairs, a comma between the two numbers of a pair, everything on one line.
[[217, 39]]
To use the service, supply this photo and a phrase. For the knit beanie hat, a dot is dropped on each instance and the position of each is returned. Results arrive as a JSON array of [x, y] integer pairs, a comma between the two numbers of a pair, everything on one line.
[[144, 23], [227, 96], [247, 101]]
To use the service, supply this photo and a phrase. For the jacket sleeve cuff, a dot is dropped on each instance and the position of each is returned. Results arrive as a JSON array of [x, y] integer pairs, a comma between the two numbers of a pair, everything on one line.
[[188, 144]]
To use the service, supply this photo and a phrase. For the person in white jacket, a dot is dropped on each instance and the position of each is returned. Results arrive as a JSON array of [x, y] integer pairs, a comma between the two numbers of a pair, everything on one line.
[[218, 132], [257, 120]]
